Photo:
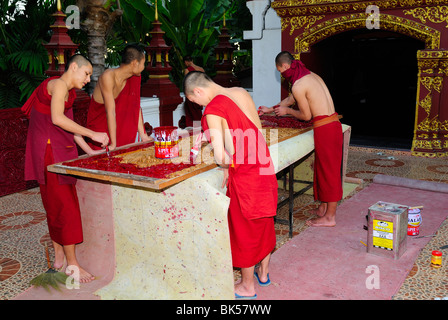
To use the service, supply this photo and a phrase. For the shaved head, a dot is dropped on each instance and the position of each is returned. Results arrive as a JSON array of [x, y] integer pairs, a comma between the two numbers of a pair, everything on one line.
[[132, 52], [196, 79], [80, 60], [283, 57]]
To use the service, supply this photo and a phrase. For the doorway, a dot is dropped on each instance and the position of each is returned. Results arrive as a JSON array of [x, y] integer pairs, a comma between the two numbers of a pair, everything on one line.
[[372, 76]]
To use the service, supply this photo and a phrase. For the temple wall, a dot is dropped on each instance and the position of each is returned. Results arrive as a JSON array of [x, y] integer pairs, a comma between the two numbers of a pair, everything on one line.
[[266, 44], [307, 22]]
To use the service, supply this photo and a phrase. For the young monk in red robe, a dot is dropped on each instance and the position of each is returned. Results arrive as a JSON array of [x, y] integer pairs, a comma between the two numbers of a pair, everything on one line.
[[51, 139], [314, 102], [232, 125], [193, 111], [115, 104]]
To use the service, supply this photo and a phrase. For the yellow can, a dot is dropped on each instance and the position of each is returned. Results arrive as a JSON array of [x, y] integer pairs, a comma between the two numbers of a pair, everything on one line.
[[436, 259]]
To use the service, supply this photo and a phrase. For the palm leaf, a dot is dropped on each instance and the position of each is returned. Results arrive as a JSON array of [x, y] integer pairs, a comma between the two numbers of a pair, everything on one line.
[[183, 11], [51, 278]]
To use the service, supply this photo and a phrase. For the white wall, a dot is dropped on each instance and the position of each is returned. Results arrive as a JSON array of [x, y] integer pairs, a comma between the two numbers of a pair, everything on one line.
[[266, 44], [150, 111]]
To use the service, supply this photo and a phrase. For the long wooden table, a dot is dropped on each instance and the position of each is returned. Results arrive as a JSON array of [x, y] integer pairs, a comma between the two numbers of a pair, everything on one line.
[[164, 238]]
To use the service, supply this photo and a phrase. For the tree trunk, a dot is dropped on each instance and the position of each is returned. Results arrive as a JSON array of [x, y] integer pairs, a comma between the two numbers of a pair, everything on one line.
[[97, 24]]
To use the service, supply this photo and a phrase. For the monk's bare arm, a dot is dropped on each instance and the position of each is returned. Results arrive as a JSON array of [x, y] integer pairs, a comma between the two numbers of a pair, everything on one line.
[[217, 136], [304, 112], [84, 146], [107, 84], [58, 91], [288, 101], [141, 129]]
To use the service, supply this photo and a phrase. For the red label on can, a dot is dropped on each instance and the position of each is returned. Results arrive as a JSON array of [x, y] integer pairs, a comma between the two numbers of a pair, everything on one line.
[[166, 142], [413, 230]]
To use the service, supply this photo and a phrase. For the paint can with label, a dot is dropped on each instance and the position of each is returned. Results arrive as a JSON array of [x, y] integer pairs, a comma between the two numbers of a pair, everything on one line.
[[436, 259], [414, 221], [166, 142]]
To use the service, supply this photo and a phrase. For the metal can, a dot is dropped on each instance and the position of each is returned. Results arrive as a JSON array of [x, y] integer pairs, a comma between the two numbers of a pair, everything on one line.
[[414, 221], [436, 259]]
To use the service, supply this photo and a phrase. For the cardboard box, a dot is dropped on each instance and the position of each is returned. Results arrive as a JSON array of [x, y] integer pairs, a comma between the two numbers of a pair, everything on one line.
[[387, 229]]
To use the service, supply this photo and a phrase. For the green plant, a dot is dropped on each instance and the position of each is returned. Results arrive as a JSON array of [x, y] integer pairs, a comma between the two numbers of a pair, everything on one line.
[[192, 28], [23, 59]]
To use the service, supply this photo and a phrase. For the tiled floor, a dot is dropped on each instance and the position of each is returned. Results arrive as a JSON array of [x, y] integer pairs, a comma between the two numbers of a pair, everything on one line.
[[23, 229]]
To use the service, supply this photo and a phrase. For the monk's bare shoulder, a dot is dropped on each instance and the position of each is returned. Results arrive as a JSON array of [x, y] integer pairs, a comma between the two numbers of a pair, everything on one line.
[[107, 81], [108, 76], [57, 85], [238, 91]]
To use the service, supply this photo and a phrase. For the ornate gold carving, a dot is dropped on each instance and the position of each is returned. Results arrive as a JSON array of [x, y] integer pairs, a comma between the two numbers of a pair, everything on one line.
[[437, 14], [432, 83], [430, 36], [307, 7], [432, 54], [433, 125], [298, 22], [426, 103], [307, 20]]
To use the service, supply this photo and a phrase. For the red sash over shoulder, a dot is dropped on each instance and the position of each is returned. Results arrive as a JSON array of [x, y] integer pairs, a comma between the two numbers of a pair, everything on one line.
[[127, 112], [252, 186], [41, 100], [297, 71], [252, 167], [41, 130]]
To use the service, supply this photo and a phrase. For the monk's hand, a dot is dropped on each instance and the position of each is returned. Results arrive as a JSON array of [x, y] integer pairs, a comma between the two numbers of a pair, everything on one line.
[[281, 111], [101, 137], [225, 179], [94, 152], [112, 146], [146, 138], [263, 109]]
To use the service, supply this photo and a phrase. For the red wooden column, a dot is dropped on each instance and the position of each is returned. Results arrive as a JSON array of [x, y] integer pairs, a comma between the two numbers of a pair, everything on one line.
[[60, 48], [159, 84], [224, 65]]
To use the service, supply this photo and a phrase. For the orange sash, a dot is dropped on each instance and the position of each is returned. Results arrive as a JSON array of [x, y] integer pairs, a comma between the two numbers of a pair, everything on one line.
[[324, 121]]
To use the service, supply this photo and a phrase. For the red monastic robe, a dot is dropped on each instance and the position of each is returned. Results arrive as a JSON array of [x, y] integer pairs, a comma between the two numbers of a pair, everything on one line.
[[127, 112], [252, 186], [328, 141], [328, 144], [48, 144]]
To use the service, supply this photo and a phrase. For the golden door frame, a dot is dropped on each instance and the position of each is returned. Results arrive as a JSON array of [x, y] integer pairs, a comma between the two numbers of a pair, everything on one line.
[[307, 22]]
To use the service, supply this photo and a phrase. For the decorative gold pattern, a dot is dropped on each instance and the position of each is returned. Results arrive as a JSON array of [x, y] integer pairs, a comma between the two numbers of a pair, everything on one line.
[[432, 83], [307, 7], [437, 14], [426, 103], [310, 21], [431, 133], [298, 22], [430, 36]]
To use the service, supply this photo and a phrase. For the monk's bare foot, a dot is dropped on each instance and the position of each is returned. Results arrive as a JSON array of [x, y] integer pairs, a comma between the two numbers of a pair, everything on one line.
[[321, 222], [320, 210], [241, 290], [79, 274], [59, 265], [59, 257]]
